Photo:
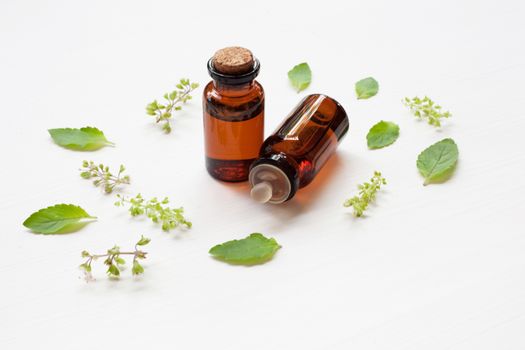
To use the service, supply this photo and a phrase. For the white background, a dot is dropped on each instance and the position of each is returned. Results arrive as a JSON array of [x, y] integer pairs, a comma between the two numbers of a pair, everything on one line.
[[436, 267]]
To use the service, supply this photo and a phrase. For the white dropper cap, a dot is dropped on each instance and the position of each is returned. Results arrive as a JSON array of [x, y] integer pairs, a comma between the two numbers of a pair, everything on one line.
[[269, 184], [262, 192]]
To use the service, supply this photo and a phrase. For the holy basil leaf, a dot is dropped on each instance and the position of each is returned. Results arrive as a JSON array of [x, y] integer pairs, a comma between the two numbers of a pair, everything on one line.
[[366, 88], [60, 218], [300, 76], [254, 249], [382, 134], [437, 162], [83, 139]]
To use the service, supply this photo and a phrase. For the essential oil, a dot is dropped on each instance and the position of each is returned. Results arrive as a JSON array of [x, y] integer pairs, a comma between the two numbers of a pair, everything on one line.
[[293, 155], [233, 107]]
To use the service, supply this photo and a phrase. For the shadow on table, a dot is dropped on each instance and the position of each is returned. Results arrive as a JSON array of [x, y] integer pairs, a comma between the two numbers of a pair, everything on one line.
[[305, 197]]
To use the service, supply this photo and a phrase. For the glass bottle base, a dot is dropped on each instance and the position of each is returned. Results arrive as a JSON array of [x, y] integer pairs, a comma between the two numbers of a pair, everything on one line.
[[229, 170]]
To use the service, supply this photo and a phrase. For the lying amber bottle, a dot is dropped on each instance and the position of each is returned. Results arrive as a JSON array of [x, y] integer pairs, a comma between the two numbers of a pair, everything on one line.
[[291, 157], [233, 106]]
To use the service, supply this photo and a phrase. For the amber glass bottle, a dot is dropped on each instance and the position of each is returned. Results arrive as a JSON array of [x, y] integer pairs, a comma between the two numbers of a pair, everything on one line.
[[233, 106], [292, 156]]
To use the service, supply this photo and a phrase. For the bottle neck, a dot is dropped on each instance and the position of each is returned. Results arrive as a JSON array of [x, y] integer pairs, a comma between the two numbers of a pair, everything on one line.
[[231, 90]]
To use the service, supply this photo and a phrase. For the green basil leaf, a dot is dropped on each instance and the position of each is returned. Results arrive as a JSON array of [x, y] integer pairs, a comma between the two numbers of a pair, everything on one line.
[[83, 139], [300, 76], [254, 249], [382, 134], [366, 88], [60, 218], [437, 162]]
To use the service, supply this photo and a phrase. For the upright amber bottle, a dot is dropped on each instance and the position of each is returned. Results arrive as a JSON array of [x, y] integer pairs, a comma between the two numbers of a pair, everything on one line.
[[292, 156], [233, 106]]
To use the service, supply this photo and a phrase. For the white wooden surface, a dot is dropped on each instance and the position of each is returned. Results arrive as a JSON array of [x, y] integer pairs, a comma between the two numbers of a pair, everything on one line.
[[436, 267]]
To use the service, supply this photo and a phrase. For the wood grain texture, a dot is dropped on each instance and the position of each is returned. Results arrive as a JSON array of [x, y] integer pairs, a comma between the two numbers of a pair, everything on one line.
[[435, 267]]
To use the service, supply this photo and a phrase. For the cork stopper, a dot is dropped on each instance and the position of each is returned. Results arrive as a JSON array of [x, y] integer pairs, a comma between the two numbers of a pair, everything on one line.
[[233, 60]]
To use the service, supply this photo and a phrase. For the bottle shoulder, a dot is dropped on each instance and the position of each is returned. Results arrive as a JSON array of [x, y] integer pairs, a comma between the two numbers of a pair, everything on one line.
[[239, 106], [259, 87], [211, 93]]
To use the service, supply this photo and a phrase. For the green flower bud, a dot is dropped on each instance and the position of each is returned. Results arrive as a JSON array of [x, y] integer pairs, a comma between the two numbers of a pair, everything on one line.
[[85, 267], [143, 241], [120, 261], [113, 270], [137, 268]]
